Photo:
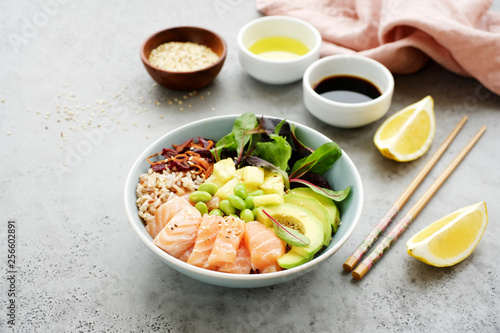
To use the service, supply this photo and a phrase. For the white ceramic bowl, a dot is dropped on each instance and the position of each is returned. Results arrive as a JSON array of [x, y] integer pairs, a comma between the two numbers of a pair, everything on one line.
[[348, 115], [342, 174], [277, 71]]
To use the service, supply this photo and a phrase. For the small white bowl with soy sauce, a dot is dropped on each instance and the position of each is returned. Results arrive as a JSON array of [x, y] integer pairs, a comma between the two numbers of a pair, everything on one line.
[[278, 49], [348, 91]]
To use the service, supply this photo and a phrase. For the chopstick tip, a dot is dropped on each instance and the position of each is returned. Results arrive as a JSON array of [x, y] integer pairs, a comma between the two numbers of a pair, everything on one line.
[[360, 271], [349, 264]]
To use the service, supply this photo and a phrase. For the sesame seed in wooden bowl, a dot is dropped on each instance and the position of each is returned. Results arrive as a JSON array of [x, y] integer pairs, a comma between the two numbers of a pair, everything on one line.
[[184, 58]]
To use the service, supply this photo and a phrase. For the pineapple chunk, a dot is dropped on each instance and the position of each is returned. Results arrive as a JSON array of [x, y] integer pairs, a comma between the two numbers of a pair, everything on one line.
[[227, 189], [224, 171], [252, 176], [273, 183], [213, 179], [268, 199]]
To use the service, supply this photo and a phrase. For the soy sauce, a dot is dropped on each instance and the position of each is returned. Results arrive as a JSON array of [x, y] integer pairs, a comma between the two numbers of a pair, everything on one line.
[[347, 89]]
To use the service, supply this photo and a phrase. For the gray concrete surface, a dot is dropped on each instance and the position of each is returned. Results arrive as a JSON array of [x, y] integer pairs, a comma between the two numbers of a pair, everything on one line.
[[73, 65]]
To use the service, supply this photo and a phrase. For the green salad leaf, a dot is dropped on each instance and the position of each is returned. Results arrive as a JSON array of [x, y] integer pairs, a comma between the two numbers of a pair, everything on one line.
[[278, 151], [318, 162], [334, 195]]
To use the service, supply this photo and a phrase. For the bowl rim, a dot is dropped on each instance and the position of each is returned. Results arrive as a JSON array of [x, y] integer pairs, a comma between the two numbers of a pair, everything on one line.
[[312, 52], [221, 58], [139, 229], [349, 107]]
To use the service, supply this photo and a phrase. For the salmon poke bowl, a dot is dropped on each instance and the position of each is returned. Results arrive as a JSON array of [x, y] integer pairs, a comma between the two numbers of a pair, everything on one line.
[[243, 201]]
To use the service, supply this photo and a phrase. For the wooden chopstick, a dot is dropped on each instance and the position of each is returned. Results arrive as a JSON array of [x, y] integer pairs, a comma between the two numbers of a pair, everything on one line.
[[356, 256], [399, 228]]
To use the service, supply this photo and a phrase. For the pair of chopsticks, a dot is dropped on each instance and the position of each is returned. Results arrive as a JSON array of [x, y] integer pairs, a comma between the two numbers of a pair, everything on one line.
[[399, 228]]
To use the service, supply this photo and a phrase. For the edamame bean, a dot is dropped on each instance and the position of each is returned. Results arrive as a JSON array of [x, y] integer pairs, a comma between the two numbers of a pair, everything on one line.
[[241, 191], [257, 193], [200, 196], [202, 208], [246, 215], [209, 187], [215, 212], [236, 202], [249, 202], [226, 207]]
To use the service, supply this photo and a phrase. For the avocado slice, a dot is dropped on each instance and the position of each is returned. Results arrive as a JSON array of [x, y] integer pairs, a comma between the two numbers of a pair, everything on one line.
[[315, 207], [328, 203], [299, 218], [292, 259]]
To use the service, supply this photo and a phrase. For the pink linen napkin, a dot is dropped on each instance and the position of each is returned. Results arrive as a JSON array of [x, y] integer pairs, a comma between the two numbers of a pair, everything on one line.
[[461, 35]]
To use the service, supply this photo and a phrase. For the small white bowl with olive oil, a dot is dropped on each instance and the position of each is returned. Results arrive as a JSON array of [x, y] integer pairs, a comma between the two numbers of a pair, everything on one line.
[[278, 49], [347, 90]]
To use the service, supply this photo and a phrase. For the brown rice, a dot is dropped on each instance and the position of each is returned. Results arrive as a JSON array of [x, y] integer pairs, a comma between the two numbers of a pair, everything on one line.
[[156, 188]]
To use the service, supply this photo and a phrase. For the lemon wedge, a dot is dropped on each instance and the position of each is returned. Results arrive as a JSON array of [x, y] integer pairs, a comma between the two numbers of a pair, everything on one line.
[[450, 239], [407, 134]]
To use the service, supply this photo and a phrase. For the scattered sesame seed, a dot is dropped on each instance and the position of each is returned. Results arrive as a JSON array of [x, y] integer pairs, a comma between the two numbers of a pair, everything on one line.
[[9, 133], [202, 97], [181, 109]]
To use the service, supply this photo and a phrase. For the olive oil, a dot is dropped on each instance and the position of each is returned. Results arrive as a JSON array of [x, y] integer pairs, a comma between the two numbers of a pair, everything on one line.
[[279, 48], [347, 89]]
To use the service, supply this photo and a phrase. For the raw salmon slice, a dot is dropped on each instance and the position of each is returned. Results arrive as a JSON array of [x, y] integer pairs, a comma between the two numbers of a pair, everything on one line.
[[180, 232], [227, 241], [271, 268], [242, 263], [164, 213], [186, 254], [264, 246], [208, 231]]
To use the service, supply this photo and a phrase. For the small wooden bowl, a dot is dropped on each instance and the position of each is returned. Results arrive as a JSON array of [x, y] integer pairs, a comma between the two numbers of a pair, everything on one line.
[[184, 80]]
